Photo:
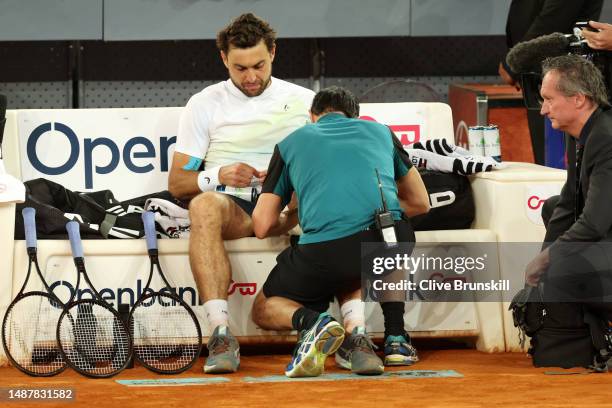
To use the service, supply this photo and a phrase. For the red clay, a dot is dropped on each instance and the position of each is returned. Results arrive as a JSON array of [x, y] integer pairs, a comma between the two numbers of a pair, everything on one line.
[[490, 380]]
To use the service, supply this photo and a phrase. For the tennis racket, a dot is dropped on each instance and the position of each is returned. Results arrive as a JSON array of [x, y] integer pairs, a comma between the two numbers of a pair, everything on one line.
[[28, 327], [166, 333], [92, 337]]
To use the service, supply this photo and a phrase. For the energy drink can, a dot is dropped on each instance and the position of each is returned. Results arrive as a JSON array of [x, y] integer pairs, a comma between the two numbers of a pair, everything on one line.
[[476, 140], [246, 193], [492, 147]]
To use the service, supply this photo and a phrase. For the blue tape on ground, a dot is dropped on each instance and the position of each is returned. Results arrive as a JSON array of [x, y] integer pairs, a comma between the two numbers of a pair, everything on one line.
[[343, 377], [177, 382], [173, 382]]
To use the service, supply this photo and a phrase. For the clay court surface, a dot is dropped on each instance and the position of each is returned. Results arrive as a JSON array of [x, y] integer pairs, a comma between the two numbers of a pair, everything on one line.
[[488, 380]]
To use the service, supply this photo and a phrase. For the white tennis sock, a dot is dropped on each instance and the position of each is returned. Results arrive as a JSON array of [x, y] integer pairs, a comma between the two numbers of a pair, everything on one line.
[[353, 313], [216, 313], [459, 165], [443, 147]]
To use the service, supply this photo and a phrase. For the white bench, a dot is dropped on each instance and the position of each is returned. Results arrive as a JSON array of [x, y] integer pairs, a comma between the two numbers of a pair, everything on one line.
[[510, 203], [115, 265]]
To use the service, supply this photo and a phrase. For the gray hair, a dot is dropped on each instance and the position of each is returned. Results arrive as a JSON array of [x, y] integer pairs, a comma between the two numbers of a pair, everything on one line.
[[577, 76]]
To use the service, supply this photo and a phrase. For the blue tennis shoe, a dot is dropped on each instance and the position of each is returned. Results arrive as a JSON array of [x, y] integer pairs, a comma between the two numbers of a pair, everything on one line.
[[313, 347]]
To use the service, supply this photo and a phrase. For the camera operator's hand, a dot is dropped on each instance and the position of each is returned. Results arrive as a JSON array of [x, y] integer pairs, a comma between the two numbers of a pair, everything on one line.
[[506, 77], [601, 39]]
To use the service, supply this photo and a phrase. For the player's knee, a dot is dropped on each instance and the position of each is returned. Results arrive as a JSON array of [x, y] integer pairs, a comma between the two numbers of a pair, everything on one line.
[[208, 209]]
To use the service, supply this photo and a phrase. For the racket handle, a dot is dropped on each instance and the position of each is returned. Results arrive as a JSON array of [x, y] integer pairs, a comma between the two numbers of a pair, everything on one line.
[[148, 219], [29, 225], [74, 234]]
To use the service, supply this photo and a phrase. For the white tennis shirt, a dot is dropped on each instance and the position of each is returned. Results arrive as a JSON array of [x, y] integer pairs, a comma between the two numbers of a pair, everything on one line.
[[221, 125]]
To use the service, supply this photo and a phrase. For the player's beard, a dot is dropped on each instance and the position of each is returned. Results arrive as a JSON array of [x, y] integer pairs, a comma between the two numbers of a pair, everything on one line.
[[263, 85]]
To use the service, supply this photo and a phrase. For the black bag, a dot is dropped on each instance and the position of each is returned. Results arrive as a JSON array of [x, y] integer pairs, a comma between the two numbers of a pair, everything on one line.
[[562, 335], [452, 203], [563, 339], [99, 214]]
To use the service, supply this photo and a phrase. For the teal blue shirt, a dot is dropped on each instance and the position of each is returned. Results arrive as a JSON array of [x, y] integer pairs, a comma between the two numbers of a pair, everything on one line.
[[331, 165]]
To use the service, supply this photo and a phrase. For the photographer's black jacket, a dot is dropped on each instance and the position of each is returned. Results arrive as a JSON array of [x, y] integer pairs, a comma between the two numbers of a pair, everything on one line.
[[593, 203], [528, 19]]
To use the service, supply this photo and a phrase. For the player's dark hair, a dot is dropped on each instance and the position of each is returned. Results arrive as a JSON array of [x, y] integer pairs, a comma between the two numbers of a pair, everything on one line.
[[335, 98], [246, 31]]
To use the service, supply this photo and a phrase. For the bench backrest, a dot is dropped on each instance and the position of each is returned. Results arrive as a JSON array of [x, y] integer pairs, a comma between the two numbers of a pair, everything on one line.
[[129, 151]]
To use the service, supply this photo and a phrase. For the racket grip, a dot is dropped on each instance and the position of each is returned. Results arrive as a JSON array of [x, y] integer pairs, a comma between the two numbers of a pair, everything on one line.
[[148, 219], [29, 225], [74, 234]]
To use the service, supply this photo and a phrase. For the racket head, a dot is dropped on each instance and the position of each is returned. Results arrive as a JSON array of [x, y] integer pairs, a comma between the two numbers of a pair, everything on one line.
[[93, 339], [166, 333], [165, 330], [29, 334]]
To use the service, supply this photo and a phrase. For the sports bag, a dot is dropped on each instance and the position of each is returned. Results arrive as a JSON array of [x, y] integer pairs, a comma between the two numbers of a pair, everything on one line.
[[452, 203]]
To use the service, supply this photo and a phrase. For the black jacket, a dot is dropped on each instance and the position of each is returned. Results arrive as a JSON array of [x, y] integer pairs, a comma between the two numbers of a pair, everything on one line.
[[594, 222], [528, 19]]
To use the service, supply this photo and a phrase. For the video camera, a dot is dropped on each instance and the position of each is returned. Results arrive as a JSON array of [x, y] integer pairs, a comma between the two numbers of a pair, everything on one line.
[[525, 59], [578, 46]]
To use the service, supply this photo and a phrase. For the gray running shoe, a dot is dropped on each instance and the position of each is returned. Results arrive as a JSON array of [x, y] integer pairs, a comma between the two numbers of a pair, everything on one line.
[[357, 354], [223, 352]]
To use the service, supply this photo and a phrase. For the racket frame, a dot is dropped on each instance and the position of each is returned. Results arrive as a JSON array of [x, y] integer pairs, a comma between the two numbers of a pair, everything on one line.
[[29, 215], [79, 262], [148, 219]]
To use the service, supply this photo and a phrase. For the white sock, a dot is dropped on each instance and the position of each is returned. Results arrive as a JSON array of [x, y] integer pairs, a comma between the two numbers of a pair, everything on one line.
[[216, 313], [443, 147], [353, 313], [446, 148], [459, 165]]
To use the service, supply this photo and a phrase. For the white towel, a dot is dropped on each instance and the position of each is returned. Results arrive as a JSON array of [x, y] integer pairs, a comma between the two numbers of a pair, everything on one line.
[[173, 219]]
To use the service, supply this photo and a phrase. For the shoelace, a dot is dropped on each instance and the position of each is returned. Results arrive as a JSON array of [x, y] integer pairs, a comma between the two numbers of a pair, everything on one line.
[[400, 344], [219, 345], [363, 343]]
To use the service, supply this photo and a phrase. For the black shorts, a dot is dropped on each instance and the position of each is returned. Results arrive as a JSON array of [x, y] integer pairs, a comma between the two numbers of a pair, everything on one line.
[[246, 206], [312, 274]]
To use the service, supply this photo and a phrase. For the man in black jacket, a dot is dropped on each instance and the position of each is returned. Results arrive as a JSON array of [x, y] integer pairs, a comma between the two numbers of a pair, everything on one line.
[[528, 19], [569, 312], [575, 100]]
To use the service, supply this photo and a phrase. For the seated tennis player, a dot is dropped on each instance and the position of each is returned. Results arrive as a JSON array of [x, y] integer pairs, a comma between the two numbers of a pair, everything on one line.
[[225, 138]]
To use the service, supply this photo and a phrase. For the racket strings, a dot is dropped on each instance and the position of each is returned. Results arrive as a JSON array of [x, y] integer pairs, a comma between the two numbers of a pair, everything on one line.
[[165, 334], [94, 339], [30, 335]]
